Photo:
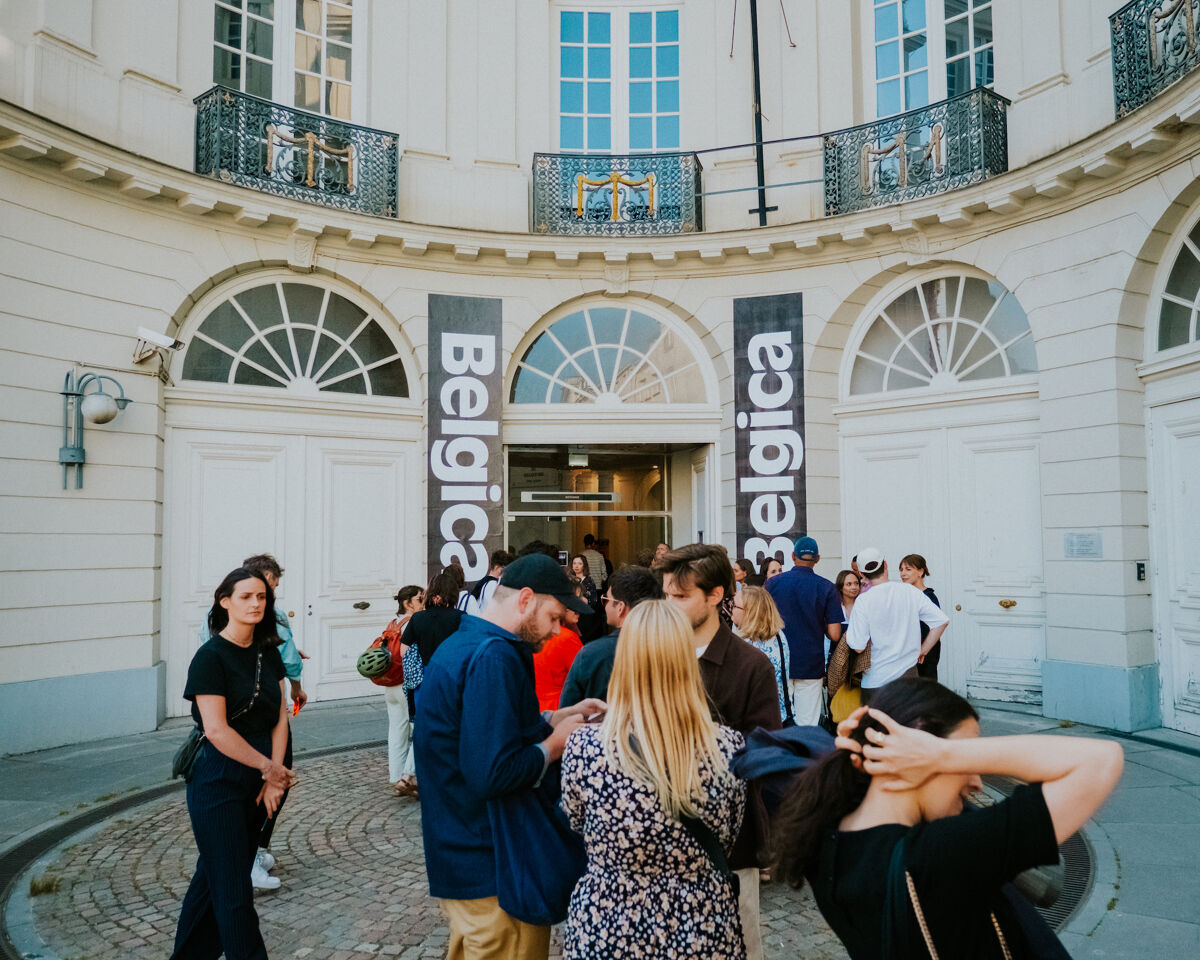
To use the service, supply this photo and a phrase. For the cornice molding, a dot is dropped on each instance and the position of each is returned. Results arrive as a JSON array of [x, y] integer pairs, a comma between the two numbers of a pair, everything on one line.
[[1137, 148]]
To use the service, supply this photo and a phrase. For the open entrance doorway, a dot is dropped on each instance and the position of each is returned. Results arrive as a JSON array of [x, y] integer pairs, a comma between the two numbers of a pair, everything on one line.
[[628, 497]]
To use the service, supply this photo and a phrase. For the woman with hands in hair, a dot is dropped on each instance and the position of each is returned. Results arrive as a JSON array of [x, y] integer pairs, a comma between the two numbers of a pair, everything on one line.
[[874, 826], [235, 683]]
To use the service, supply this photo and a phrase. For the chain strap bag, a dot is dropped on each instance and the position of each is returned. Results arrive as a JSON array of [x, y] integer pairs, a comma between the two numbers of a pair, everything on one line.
[[183, 764]]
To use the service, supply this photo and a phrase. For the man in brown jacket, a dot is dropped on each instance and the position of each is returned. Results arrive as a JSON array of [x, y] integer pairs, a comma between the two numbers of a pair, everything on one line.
[[740, 683]]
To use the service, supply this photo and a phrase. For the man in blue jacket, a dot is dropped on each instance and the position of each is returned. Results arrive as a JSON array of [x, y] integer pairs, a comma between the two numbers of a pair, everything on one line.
[[481, 737]]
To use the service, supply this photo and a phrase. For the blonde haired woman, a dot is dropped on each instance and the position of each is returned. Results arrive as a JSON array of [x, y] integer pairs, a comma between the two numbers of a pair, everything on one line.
[[758, 622], [649, 788]]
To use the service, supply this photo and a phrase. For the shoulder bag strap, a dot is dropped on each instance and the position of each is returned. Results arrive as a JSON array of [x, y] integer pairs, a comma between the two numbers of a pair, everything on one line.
[[787, 698], [253, 696], [708, 841]]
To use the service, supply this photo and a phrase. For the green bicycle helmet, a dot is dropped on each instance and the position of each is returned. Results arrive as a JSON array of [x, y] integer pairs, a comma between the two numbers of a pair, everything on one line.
[[374, 662]]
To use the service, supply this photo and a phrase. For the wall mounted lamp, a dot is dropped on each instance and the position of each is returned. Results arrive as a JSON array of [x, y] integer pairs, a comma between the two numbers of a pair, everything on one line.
[[79, 405]]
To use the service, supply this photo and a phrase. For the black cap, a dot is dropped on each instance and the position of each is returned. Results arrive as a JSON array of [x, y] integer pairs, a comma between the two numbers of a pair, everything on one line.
[[541, 574]]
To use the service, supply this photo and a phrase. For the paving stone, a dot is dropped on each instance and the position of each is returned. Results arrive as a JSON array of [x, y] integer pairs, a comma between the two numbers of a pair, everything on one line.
[[353, 870]]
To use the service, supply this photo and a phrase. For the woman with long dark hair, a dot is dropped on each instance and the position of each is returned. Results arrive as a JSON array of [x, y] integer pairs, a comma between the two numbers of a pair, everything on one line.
[[235, 683], [913, 571], [874, 826]]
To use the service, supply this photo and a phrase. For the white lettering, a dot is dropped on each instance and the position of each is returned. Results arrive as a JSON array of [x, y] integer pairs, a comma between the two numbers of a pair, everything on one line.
[[468, 353], [443, 459], [777, 346], [772, 514], [760, 398], [471, 394], [788, 447]]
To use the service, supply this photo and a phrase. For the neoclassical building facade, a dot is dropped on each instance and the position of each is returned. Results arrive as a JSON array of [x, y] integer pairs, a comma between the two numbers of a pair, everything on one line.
[[987, 216]]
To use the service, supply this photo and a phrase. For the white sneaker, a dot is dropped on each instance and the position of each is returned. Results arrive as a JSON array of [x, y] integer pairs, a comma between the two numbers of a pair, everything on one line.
[[264, 859], [261, 880]]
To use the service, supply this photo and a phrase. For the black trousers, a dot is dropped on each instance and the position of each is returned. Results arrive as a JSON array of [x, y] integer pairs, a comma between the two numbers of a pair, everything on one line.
[[218, 914], [268, 828]]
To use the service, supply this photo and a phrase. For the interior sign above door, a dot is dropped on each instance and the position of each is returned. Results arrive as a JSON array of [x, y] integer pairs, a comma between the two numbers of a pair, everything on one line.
[[768, 383], [465, 455]]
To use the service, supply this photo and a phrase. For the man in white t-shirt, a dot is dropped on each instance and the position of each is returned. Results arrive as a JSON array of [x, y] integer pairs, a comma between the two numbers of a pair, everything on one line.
[[889, 617]]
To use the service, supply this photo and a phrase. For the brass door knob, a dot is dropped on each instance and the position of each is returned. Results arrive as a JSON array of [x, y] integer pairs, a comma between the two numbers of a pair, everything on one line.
[[1008, 604], [362, 605], [291, 613], [958, 606]]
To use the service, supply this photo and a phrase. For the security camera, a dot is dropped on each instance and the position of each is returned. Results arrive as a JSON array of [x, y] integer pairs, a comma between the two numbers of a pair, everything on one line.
[[159, 339]]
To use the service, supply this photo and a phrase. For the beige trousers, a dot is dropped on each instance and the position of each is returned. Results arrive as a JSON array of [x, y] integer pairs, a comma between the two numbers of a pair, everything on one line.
[[749, 911], [480, 930]]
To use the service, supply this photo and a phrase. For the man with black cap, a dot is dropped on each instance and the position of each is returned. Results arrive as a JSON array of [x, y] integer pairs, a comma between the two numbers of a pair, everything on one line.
[[480, 738], [811, 611]]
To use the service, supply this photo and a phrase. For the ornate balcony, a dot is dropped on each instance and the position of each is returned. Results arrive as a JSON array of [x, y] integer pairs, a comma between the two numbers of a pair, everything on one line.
[[608, 195], [1153, 44], [256, 143], [944, 146]]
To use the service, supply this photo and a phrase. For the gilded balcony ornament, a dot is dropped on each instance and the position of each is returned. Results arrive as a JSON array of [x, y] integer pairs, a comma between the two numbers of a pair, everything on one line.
[[944, 146], [616, 181], [255, 143], [1154, 45]]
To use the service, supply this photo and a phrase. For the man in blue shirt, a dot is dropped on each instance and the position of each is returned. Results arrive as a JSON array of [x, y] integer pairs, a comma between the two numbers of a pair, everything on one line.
[[481, 737], [811, 611]]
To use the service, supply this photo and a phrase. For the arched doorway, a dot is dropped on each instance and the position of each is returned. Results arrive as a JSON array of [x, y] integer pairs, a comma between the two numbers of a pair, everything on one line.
[[610, 430], [1171, 374], [291, 431], [940, 456]]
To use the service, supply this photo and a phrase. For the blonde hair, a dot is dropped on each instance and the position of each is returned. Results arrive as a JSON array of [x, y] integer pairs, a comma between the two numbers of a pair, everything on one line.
[[656, 700], [760, 619]]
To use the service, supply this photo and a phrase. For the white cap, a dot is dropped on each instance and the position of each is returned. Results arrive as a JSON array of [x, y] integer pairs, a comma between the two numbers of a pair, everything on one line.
[[870, 561]]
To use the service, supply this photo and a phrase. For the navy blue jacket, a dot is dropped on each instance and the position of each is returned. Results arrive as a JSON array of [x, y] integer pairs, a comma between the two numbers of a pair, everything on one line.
[[808, 604], [476, 739]]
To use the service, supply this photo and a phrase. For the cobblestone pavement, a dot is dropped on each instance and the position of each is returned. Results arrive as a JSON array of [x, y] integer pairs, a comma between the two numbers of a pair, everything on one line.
[[350, 858]]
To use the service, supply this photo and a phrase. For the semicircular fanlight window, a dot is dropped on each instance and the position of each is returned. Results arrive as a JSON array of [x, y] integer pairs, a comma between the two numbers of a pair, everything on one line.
[[299, 337], [1179, 309], [608, 355], [943, 333]]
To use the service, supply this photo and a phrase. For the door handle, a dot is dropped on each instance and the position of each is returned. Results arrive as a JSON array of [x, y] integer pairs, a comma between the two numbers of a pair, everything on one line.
[[362, 605], [958, 606], [291, 613], [1008, 604]]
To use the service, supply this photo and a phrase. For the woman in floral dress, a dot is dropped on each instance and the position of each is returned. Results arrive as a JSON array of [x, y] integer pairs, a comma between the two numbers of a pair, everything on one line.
[[650, 889]]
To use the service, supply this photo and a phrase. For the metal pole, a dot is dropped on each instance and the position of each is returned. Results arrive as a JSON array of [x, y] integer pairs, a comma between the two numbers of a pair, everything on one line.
[[762, 209]]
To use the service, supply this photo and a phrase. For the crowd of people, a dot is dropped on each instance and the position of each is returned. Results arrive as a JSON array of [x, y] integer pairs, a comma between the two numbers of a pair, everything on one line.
[[575, 737]]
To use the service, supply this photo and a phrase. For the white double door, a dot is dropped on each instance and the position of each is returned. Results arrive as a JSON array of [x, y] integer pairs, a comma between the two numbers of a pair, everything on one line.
[[339, 513], [1175, 537], [968, 498]]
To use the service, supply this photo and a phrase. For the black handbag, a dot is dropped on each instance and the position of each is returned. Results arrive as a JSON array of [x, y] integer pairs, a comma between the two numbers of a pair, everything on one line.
[[183, 764]]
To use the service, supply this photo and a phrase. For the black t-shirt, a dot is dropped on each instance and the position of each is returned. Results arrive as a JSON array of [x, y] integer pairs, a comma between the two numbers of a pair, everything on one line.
[[428, 628], [958, 865], [223, 668], [934, 655]]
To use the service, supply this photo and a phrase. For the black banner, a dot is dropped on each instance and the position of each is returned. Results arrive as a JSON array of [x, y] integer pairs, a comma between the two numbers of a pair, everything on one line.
[[466, 466], [768, 391]]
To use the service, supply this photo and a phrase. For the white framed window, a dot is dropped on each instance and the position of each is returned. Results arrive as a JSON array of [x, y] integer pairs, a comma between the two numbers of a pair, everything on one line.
[[299, 53], [618, 79], [923, 51], [1179, 303]]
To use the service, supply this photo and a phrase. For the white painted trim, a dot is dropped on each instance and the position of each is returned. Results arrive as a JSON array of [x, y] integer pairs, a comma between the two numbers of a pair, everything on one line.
[[640, 423], [1154, 360]]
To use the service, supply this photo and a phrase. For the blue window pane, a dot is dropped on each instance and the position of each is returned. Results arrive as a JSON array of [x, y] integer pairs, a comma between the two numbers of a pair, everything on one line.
[[668, 60], [570, 98], [916, 90], [668, 96], [667, 22], [597, 28], [887, 98], [984, 68], [914, 15], [598, 98], [668, 133], [570, 27], [955, 7], [570, 62], [599, 135], [641, 28], [887, 60], [598, 63], [641, 98], [640, 133], [570, 133], [916, 54], [886, 23], [958, 76], [983, 27], [640, 64]]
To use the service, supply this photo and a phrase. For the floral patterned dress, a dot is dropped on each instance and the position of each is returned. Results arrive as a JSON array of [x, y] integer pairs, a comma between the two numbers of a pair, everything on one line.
[[649, 890]]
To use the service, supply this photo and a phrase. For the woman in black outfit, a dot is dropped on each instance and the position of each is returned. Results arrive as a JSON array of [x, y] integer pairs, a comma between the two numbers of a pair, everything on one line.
[[235, 683], [913, 571], [874, 826]]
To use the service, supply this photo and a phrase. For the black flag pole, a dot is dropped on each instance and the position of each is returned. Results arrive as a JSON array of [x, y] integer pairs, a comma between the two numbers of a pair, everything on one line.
[[762, 209]]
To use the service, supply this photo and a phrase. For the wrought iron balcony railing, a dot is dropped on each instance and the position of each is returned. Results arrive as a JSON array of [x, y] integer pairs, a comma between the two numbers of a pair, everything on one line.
[[1154, 44], [610, 195], [944, 146], [256, 143]]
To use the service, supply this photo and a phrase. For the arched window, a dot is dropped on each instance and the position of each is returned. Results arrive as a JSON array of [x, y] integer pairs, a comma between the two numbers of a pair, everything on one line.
[[299, 337], [942, 333], [1177, 316], [608, 355]]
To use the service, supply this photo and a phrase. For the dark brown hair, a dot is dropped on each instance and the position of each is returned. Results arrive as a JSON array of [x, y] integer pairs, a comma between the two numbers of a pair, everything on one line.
[[265, 633], [264, 562], [917, 562], [841, 580], [442, 591], [704, 565]]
